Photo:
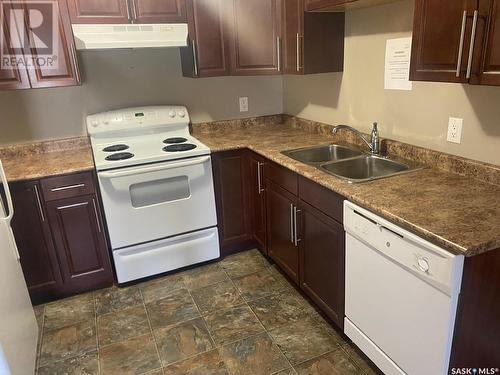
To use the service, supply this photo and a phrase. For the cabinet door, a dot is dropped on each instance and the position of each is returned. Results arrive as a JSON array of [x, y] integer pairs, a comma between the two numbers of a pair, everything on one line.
[[231, 197], [209, 25], [154, 11], [256, 38], [31, 230], [80, 243], [293, 28], [280, 229], [11, 78], [487, 52], [257, 199], [322, 261], [63, 69], [99, 11], [441, 40]]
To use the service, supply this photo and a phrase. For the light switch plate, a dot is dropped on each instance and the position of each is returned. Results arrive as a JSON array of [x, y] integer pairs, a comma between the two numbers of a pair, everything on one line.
[[244, 104], [455, 130]]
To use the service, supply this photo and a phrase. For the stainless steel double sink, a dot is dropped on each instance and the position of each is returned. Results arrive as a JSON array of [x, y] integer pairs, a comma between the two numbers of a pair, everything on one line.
[[349, 163]]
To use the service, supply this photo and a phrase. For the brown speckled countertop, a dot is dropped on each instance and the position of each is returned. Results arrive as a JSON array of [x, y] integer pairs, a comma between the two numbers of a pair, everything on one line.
[[458, 213], [44, 159]]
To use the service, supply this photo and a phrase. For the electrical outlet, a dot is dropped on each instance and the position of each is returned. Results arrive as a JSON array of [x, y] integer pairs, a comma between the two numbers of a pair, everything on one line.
[[244, 104], [455, 130]]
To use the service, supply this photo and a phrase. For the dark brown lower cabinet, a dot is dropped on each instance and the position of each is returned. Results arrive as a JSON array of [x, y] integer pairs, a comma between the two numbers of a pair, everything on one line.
[[280, 230], [322, 261], [230, 170], [61, 242], [31, 228], [80, 243], [258, 199], [297, 223]]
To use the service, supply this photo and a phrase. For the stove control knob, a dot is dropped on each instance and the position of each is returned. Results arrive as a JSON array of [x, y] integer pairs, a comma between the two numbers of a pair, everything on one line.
[[423, 264], [181, 114], [171, 114], [94, 123]]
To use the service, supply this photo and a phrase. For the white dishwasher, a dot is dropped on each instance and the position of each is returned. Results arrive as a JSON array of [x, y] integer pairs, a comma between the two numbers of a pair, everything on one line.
[[401, 295]]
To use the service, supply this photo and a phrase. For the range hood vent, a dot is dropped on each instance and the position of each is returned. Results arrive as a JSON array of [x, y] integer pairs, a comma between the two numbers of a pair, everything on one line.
[[99, 37]]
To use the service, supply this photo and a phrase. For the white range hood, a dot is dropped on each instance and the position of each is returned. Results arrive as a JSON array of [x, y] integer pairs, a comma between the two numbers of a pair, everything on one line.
[[96, 37]]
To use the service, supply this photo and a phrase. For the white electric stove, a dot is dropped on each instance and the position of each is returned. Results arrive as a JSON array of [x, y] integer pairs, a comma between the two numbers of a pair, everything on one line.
[[157, 190]]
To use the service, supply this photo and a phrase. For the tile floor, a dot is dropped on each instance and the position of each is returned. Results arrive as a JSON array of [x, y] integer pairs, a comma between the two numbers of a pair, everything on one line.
[[237, 316]]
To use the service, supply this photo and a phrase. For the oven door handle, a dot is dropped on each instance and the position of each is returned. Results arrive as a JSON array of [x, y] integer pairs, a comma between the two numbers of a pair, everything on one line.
[[154, 168]]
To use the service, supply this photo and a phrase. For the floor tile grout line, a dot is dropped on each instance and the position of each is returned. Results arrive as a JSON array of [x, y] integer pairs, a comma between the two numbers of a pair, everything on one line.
[[263, 326], [203, 318], [271, 338], [151, 329]]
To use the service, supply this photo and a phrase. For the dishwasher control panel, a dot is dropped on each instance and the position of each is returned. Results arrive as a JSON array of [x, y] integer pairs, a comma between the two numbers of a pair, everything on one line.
[[426, 260]]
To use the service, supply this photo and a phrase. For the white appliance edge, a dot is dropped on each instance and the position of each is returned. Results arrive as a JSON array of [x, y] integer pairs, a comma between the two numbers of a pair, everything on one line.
[[401, 295], [18, 327]]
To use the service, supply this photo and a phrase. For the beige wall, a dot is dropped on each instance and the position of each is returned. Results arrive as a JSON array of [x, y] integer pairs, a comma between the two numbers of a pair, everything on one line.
[[357, 96], [129, 78]]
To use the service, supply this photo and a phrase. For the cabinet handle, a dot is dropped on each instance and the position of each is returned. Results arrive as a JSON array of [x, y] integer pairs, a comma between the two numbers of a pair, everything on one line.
[[128, 13], [278, 47], [67, 187], [461, 46], [74, 62], [195, 58], [296, 239], [259, 176], [472, 40], [298, 53], [134, 11], [291, 223], [96, 216], [39, 202]]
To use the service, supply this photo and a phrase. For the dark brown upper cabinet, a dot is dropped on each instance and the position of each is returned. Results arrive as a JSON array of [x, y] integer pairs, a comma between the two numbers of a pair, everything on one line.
[[486, 59], [256, 40], [67, 72], [441, 40], [39, 72], [99, 11], [209, 27], [341, 5], [313, 41], [155, 11], [456, 41], [11, 78], [127, 11]]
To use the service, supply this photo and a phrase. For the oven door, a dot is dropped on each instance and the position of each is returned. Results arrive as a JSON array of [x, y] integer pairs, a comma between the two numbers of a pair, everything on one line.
[[151, 202]]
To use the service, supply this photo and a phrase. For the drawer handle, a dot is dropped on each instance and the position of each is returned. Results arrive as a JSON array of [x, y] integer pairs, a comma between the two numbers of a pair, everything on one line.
[[259, 177], [97, 216], [297, 239], [39, 202], [291, 224], [69, 187]]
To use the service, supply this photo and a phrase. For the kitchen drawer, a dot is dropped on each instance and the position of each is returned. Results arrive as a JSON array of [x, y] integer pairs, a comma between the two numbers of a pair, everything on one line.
[[282, 177], [322, 198], [67, 186]]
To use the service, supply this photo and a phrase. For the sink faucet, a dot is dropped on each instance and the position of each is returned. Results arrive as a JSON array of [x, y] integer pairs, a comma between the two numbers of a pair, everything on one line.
[[373, 145]]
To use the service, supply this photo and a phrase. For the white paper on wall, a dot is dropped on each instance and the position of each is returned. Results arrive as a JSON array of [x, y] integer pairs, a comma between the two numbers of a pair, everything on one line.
[[397, 64]]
